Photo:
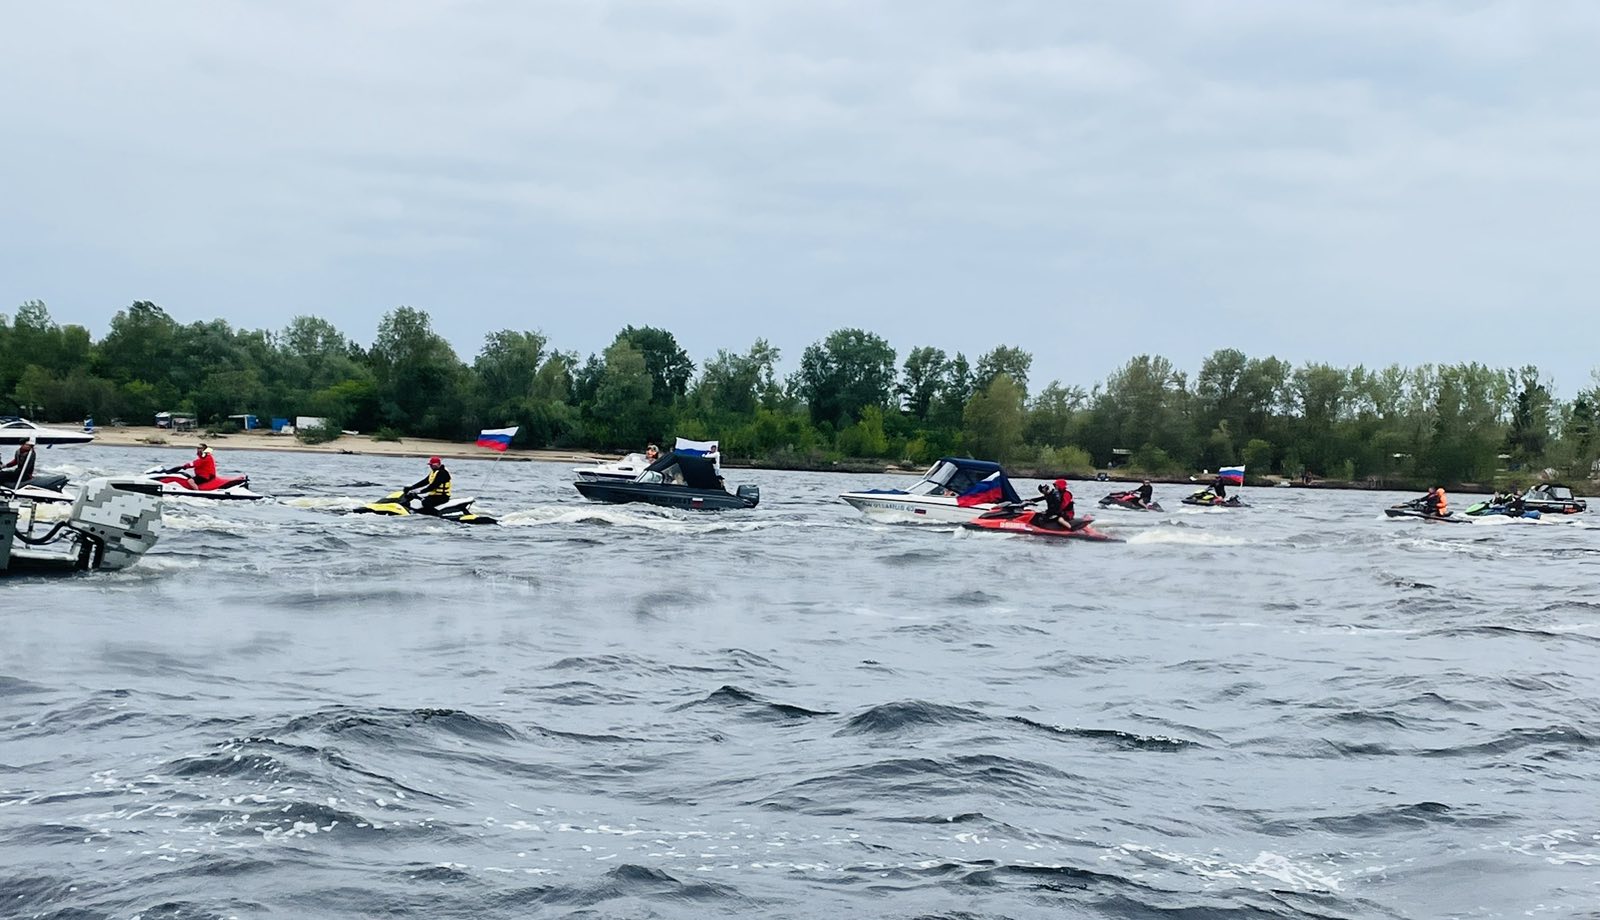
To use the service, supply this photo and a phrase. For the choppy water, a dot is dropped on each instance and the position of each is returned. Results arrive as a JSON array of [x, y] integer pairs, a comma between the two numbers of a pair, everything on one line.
[[1297, 710]]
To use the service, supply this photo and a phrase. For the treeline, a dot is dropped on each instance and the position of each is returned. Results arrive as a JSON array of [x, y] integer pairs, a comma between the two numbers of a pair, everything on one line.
[[852, 396]]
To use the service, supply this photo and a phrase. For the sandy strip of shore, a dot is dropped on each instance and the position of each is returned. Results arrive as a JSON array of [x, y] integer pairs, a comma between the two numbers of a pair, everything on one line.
[[143, 436]]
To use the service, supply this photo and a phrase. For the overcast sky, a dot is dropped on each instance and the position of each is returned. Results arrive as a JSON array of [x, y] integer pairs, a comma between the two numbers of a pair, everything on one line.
[[1343, 182]]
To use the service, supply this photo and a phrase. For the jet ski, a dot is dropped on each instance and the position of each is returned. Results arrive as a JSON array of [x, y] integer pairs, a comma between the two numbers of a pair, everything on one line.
[[1130, 501], [1017, 518], [401, 504], [43, 489], [1208, 499], [1415, 509], [177, 483], [1486, 509]]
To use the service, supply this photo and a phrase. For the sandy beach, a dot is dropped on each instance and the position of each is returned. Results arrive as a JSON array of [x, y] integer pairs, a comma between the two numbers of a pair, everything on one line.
[[144, 436]]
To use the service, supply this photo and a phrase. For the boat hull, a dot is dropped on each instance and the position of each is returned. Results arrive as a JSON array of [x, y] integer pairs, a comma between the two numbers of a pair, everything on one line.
[[665, 496], [913, 509]]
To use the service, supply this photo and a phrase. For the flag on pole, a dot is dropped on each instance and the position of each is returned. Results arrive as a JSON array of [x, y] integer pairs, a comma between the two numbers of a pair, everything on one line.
[[1233, 475], [497, 438]]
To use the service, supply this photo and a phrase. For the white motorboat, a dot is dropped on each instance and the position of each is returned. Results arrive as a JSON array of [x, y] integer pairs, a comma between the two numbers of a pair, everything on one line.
[[953, 491], [625, 470], [16, 430], [112, 523]]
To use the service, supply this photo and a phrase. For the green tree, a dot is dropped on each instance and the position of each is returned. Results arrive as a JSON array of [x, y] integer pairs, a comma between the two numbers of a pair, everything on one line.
[[922, 378], [669, 365], [1004, 359], [417, 374], [845, 373], [993, 421], [621, 414], [139, 345]]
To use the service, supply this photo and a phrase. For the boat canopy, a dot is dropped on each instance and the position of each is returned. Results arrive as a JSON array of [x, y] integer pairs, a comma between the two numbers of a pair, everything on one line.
[[1551, 491], [697, 471], [962, 476]]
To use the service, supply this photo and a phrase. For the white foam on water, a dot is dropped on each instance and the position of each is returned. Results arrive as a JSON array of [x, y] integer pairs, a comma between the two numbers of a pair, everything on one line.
[[1185, 537], [1266, 868], [660, 521]]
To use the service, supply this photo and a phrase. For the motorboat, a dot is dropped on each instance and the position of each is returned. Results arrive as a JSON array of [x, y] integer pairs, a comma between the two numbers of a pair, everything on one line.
[[1017, 518], [176, 482], [112, 523], [404, 504], [676, 480], [953, 491], [1553, 498], [17, 430], [629, 467]]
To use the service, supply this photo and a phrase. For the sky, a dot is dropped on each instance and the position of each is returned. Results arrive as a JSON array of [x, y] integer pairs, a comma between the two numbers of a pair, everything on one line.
[[1351, 183]]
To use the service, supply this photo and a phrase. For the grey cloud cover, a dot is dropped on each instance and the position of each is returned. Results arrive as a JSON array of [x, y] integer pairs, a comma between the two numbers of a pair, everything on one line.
[[1352, 182]]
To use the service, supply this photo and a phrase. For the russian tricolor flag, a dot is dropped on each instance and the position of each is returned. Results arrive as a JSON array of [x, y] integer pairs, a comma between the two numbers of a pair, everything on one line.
[[497, 438], [986, 492], [1233, 475]]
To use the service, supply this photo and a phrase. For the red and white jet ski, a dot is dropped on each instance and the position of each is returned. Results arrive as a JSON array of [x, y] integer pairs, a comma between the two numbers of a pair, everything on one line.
[[176, 482], [1013, 518]]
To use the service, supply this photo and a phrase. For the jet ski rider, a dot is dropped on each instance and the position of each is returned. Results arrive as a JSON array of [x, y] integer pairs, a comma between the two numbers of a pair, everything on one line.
[[1146, 493], [1435, 503], [204, 464], [1058, 505], [434, 488], [23, 460], [1217, 488]]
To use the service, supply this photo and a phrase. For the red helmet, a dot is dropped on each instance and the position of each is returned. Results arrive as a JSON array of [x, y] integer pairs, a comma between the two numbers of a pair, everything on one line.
[[1061, 485], [434, 461]]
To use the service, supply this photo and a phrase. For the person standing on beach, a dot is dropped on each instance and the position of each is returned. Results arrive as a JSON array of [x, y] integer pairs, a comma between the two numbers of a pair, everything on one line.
[[434, 487]]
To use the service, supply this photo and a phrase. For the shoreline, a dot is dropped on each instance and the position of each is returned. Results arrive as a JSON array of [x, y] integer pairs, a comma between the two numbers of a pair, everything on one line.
[[361, 444]]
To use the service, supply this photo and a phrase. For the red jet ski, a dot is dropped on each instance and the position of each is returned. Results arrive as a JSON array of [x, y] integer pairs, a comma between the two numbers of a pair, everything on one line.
[[176, 482], [1015, 518]]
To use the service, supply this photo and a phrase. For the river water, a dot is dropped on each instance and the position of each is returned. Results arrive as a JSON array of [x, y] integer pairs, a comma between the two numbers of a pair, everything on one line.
[[1300, 709]]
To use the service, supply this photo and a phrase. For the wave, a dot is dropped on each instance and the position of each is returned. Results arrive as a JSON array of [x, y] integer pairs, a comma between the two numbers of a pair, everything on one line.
[[749, 705], [390, 725], [1128, 741], [889, 718]]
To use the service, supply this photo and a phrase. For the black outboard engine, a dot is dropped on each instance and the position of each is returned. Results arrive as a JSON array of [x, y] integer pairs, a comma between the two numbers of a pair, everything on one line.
[[751, 494]]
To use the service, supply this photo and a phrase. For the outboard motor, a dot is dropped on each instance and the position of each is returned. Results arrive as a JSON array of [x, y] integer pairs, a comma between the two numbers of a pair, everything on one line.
[[121, 516], [751, 494]]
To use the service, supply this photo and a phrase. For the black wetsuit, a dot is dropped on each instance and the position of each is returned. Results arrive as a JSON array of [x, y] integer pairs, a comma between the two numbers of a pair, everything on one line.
[[1220, 490], [437, 484], [1051, 515], [1146, 493]]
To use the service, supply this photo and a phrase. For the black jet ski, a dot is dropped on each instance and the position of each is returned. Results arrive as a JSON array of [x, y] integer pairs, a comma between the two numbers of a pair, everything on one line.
[[45, 488], [1130, 501], [1490, 509], [1416, 509], [1206, 498], [400, 504], [676, 480], [1013, 517]]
